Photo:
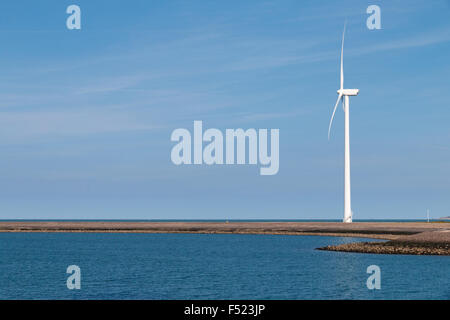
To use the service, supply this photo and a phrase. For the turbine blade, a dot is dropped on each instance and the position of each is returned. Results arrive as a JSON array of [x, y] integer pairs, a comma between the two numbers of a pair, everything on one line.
[[342, 57], [332, 116]]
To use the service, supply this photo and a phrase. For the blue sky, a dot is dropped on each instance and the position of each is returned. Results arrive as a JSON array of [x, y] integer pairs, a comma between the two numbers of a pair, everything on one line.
[[86, 115]]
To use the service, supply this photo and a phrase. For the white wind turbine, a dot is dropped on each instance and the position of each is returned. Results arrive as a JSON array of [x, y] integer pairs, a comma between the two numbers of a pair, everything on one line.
[[344, 94]]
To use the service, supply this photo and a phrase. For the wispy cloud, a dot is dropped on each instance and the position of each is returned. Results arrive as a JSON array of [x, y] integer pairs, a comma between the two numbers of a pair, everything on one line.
[[260, 116], [110, 84], [420, 40], [16, 126]]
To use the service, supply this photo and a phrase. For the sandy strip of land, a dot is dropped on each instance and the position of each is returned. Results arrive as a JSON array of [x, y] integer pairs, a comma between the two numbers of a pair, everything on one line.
[[405, 237]]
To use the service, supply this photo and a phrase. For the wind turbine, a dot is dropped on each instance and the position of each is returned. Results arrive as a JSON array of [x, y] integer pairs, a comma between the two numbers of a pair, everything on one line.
[[343, 95]]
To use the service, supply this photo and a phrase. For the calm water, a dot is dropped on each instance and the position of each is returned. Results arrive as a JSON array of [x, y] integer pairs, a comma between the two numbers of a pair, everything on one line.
[[196, 266]]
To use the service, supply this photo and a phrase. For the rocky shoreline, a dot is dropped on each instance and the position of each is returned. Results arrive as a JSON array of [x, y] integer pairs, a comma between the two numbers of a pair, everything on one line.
[[418, 238], [393, 247], [436, 242]]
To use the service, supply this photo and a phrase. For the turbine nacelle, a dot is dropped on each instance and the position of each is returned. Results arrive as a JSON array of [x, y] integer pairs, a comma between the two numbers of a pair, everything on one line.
[[348, 92]]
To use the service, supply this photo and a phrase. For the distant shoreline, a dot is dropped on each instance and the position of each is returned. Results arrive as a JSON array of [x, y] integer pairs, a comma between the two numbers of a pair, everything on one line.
[[404, 237]]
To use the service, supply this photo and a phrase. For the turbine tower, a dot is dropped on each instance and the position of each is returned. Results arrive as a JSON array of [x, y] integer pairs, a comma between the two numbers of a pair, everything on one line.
[[343, 94]]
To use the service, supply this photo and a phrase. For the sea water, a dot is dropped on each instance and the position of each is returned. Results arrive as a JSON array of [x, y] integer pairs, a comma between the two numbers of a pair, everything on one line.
[[208, 266]]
